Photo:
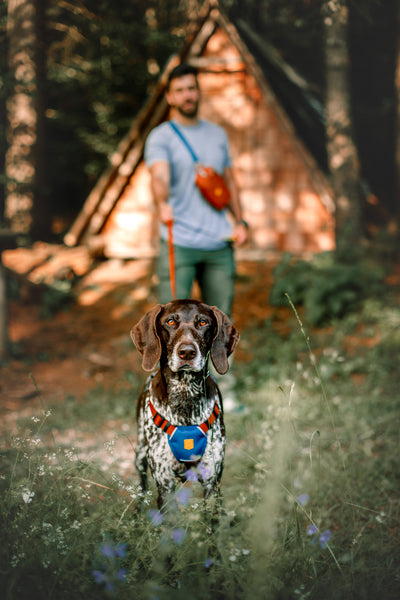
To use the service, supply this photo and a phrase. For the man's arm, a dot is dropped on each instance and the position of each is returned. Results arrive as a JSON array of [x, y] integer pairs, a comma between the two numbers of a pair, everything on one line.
[[160, 182], [239, 234]]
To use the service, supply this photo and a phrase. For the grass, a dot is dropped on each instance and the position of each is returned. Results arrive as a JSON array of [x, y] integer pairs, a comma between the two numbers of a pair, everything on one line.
[[310, 488]]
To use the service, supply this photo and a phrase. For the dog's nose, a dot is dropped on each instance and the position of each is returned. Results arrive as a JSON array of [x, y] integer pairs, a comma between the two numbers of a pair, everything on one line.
[[186, 352]]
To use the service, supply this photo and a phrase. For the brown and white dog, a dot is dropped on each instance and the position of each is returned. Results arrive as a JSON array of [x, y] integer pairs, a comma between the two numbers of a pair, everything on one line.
[[181, 401]]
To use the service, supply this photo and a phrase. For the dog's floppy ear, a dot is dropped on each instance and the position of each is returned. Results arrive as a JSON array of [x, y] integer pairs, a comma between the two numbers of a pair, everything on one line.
[[146, 339], [224, 342]]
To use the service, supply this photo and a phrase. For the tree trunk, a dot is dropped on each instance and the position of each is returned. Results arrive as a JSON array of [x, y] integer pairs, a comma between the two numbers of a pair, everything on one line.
[[25, 202], [343, 158], [3, 312], [397, 87]]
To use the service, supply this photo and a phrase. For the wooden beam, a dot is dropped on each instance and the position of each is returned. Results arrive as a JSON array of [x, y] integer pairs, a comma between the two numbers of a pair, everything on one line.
[[111, 175], [116, 187]]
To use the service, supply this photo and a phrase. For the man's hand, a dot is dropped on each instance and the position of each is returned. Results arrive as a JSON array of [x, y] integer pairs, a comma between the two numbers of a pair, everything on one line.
[[240, 234], [165, 212]]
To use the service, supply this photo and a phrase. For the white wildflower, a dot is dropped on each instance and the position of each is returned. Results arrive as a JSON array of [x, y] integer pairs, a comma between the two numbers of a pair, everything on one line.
[[109, 446], [381, 517], [27, 495], [69, 453]]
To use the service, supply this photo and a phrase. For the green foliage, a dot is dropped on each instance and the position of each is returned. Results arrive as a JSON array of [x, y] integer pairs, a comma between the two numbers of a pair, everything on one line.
[[325, 288], [103, 58], [310, 488]]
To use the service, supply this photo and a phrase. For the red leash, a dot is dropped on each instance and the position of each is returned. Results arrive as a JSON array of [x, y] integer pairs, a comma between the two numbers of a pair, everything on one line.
[[171, 256]]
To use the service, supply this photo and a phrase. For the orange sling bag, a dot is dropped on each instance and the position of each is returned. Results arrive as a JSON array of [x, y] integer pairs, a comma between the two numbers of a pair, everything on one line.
[[210, 183]]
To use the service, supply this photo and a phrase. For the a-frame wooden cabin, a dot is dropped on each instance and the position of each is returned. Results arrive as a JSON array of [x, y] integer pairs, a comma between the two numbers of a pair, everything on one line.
[[285, 195]]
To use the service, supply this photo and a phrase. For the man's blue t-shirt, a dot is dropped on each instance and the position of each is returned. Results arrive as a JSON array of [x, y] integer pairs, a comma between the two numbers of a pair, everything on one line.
[[196, 223]]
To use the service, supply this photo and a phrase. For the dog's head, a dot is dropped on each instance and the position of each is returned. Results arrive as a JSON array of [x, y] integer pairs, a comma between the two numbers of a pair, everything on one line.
[[182, 334]]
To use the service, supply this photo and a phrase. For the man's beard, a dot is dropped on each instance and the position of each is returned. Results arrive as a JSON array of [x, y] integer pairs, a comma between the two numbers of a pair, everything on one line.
[[190, 111]]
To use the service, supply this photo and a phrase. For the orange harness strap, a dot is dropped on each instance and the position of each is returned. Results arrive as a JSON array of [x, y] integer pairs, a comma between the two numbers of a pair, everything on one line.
[[169, 428], [160, 421], [211, 419]]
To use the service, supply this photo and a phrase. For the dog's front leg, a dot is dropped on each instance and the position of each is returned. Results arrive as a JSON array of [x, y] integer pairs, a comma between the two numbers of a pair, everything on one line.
[[211, 465], [212, 508], [141, 461], [164, 487], [212, 494], [161, 466], [141, 466]]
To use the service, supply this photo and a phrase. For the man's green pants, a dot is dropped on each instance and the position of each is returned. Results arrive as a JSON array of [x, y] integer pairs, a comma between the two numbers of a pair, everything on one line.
[[214, 270]]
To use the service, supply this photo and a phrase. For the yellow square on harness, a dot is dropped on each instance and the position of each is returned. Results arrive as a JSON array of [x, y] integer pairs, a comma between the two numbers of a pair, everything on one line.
[[188, 444]]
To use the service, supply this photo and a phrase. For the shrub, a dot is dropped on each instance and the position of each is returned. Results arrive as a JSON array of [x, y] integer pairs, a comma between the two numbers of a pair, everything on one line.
[[325, 288]]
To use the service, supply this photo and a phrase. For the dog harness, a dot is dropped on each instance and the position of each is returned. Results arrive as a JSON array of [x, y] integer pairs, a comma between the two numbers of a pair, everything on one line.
[[187, 442]]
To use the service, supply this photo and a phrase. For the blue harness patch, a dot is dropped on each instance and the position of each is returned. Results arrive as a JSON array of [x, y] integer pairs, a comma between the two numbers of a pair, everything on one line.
[[187, 442]]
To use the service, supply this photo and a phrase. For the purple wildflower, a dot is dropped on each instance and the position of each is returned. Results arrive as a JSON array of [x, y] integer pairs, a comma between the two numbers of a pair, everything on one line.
[[208, 562], [120, 550], [303, 499], [107, 550], [312, 530], [156, 517], [324, 538], [191, 475], [121, 574], [112, 572], [105, 578], [183, 496], [178, 535], [203, 471], [99, 576]]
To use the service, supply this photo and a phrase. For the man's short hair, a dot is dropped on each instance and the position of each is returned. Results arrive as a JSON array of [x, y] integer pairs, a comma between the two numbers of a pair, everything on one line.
[[180, 71]]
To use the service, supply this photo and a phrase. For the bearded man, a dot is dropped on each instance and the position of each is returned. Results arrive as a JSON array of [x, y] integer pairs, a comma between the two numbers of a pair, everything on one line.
[[204, 237]]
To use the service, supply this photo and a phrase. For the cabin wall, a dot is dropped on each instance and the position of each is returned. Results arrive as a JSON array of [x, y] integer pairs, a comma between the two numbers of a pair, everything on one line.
[[279, 195], [278, 189], [131, 231]]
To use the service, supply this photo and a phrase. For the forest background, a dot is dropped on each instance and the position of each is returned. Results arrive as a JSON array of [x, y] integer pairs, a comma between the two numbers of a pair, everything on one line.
[[88, 66], [311, 478]]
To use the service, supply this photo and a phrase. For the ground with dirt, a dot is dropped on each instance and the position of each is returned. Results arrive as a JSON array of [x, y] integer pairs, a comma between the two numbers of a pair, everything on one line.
[[86, 343]]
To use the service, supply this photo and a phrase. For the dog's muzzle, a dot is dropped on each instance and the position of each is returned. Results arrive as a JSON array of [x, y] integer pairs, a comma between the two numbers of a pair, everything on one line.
[[186, 356]]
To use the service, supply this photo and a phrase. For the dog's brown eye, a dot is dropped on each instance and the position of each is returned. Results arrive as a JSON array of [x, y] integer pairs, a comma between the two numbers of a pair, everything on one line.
[[203, 323], [171, 321]]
